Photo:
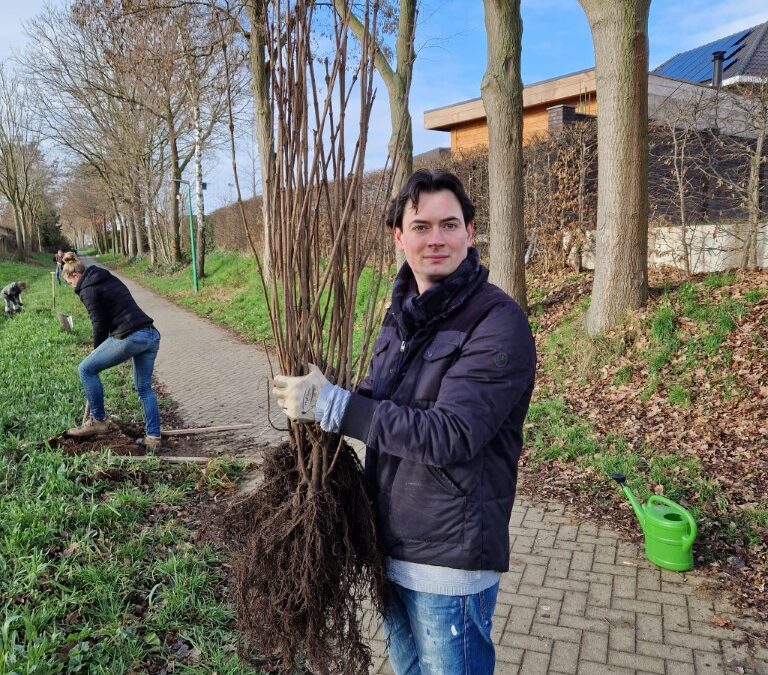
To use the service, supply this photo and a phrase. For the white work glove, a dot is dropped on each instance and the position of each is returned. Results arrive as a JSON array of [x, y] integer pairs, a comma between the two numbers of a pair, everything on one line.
[[297, 396]]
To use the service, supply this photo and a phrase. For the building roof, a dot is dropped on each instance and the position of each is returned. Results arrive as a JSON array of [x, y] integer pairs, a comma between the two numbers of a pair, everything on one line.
[[746, 56], [433, 155]]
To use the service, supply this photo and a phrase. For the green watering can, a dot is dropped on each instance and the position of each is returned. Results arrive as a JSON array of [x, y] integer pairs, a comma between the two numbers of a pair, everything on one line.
[[668, 528]]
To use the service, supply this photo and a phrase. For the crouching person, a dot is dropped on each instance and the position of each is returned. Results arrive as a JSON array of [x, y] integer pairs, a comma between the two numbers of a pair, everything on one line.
[[121, 331], [12, 296], [441, 414]]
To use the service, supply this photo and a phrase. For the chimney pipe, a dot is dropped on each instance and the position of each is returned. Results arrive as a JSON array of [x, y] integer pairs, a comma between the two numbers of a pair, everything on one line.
[[717, 68]]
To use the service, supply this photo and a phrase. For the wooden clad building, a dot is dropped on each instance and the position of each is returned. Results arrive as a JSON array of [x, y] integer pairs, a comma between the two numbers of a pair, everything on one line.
[[545, 104]]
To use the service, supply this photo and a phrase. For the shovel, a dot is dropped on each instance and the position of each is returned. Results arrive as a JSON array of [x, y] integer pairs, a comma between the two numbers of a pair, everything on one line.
[[65, 321]]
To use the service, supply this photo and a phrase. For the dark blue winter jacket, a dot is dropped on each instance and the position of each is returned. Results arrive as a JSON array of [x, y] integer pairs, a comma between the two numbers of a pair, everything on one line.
[[442, 417]]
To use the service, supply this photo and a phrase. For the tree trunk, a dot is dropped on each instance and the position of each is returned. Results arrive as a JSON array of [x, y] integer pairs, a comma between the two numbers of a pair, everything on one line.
[[680, 170], [399, 91], [152, 230], [620, 37], [25, 242], [749, 259], [18, 223], [398, 83], [173, 204], [122, 234], [502, 92], [136, 217], [126, 234], [120, 224], [262, 119], [200, 234], [401, 141]]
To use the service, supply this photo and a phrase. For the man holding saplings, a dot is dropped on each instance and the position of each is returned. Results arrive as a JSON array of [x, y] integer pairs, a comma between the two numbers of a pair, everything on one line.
[[441, 414]]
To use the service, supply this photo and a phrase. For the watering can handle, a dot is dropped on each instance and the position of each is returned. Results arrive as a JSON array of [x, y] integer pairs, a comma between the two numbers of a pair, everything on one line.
[[688, 541]]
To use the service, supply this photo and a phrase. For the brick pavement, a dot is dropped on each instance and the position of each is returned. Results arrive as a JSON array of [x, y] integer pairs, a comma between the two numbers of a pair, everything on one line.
[[577, 599]]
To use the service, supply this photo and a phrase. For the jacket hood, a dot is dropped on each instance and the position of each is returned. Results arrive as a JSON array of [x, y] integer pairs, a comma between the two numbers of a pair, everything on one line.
[[93, 275]]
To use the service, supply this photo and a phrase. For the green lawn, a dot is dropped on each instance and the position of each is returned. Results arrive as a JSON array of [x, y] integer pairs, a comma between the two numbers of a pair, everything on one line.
[[99, 573]]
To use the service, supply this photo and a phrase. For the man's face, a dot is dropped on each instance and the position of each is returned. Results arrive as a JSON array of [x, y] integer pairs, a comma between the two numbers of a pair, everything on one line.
[[435, 239]]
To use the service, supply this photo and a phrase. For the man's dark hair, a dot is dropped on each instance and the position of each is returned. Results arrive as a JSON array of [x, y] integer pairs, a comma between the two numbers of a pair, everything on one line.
[[428, 181]]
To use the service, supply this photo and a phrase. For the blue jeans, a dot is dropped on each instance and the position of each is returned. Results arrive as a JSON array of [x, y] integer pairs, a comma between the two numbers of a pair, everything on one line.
[[141, 346], [441, 634]]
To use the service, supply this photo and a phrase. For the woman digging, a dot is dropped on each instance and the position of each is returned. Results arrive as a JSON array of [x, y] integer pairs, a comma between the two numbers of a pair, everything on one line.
[[121, 331]]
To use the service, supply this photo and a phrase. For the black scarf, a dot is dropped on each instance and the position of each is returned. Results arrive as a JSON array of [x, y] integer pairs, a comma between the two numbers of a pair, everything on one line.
[[415, 312]]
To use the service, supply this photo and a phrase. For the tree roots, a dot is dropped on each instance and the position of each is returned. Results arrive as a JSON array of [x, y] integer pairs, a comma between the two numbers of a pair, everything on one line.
[[304, 563]]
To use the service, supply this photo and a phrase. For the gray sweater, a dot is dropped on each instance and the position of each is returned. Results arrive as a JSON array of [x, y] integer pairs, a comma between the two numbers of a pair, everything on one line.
[[12, 291]]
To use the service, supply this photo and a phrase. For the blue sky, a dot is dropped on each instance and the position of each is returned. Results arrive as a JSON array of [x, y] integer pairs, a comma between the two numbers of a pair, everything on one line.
[[451, 53]]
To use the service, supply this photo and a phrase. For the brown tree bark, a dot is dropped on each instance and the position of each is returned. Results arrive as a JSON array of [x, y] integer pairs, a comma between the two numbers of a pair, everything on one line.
[[173, 201], [398, 83], [502, 92], [262, 118], [620, 37], [18, 223], [137, 220]]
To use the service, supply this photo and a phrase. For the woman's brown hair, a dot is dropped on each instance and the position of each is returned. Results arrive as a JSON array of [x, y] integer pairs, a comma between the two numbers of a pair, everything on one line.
[[72, 265]]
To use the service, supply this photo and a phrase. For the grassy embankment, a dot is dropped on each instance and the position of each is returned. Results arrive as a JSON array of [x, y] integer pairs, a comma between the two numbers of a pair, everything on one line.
[[666, 399], [100, 571], [675, 399]]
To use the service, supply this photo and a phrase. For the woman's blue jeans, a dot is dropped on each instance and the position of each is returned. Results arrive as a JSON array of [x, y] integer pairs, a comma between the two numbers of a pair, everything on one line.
[[445, 634], [141, 346]]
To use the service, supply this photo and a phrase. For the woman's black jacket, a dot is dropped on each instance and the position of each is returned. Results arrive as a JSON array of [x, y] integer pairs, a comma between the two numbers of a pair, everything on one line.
[[110, 305]]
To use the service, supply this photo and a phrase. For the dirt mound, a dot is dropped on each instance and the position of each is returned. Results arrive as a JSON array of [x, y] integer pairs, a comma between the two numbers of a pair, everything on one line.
[[122, 440]]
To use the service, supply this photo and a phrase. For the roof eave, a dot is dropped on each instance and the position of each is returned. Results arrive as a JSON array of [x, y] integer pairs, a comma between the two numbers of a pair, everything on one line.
[[549, 91]]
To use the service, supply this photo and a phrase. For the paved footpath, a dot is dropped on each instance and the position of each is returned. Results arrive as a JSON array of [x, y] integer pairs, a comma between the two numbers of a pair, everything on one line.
[[577, 599]]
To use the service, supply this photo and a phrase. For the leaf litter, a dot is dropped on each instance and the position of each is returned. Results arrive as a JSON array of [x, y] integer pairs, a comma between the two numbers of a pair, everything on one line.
[[708, 404]]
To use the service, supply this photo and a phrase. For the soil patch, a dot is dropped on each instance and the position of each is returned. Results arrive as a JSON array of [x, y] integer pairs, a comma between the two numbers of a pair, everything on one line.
[[123, 436]]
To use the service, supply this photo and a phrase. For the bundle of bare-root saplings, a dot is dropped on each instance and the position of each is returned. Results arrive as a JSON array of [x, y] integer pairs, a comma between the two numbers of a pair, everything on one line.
[[306, 557]]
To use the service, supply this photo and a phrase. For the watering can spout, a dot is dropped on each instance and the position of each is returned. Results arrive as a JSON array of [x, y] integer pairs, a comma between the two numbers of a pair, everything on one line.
[[621, 479]]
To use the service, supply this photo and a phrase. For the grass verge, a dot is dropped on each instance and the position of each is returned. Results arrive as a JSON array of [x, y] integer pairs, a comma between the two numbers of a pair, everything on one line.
[[101, 570]]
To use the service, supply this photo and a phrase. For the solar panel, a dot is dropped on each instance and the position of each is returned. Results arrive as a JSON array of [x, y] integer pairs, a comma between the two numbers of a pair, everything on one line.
[[696, 65]]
